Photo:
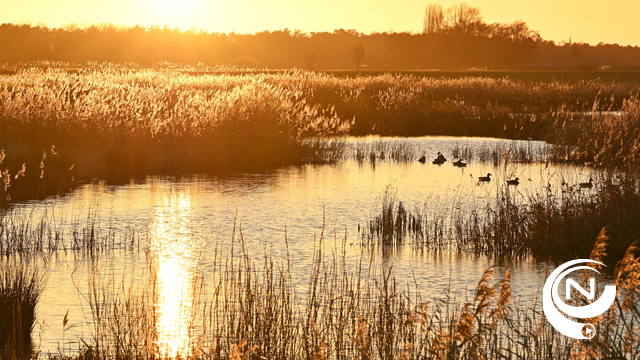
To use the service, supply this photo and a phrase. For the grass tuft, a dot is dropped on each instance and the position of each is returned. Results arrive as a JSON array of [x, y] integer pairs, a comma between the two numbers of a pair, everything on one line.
[[20, 288]]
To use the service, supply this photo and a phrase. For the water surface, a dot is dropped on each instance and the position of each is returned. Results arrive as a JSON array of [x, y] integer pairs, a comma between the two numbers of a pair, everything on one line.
[[185, 222]]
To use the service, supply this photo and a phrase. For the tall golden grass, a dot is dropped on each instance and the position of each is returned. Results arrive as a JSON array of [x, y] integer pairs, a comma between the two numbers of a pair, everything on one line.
[[25, 232], [604, 138], [119, 122], [21, 285], [356, 310], [115, 120], [348, 308], [557, 223]]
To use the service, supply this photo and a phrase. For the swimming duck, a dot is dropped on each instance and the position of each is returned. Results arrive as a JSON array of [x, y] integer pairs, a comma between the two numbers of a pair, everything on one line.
[[423, 159], [459, 163], [587, 185], [485, 178], [515, 182], [440, 159]]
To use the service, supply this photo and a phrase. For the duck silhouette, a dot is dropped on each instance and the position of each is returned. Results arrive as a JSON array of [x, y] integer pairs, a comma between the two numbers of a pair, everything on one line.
[[440, 159], [587, 185], [515, 182], [459, 163], [485, 178]]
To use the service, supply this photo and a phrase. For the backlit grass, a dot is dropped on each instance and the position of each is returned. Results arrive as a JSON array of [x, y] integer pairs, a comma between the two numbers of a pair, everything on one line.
[[117, 121]]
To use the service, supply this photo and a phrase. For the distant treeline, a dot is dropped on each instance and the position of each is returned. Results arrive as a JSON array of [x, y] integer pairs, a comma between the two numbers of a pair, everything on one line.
[[452, 38]]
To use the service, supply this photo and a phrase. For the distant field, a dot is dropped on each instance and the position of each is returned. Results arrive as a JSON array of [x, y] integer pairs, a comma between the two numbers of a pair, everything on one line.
[[523, 75]]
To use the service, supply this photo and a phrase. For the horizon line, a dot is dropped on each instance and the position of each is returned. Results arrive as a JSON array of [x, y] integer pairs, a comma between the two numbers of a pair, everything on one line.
[[120, 26]]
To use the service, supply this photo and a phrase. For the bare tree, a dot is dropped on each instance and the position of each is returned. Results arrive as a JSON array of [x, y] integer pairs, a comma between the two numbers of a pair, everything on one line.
[[433, 19], [463, 18], [357, 55]]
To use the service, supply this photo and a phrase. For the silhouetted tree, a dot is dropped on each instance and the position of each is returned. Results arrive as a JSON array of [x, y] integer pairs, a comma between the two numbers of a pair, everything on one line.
[[463, 18], [453, 38], [433, 19], [357, 55]]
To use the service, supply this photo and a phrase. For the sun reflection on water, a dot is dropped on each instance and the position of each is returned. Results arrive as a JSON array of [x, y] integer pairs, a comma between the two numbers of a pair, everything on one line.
[[175, 253]]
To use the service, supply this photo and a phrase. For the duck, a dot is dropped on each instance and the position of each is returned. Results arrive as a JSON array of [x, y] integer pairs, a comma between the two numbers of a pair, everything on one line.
[[440, 159], [459, 163], [485, 178], [515, 182], [423, 159], [587, 185]]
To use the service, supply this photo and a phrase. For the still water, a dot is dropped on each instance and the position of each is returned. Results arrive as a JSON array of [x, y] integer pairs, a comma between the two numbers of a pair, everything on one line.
[[184, 221]]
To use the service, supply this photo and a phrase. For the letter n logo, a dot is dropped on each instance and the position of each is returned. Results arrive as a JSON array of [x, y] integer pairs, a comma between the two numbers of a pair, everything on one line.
[[591, 294]]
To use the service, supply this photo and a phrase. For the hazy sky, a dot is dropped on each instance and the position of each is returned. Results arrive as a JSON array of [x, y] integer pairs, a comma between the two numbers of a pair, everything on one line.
[[613, 21]]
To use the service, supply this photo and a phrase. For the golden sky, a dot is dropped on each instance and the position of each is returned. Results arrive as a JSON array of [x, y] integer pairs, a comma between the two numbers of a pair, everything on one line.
[[613, 21]]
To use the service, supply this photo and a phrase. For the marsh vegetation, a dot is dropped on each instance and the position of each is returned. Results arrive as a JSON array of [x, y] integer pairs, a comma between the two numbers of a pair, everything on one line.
[[341, 296], [109, 120], [349, 309]]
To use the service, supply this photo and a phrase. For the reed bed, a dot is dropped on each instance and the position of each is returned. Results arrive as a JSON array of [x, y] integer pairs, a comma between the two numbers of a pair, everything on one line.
[[515, 153], [604, 138], [122, 316], [376, 150], [46, 234], [249, 310], [119, 120], [372, 150], [548, 224], [398, 224], [559, 223], [21, 285], [59, 126], [347, 306]]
